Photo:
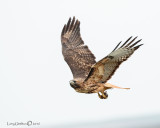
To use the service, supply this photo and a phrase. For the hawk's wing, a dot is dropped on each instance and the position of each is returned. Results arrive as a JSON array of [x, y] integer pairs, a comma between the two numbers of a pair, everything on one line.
[[105, 68], [76, 54]]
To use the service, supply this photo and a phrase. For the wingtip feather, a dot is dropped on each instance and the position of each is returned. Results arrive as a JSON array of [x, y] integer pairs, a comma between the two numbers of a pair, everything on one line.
[[126, 42], [136, 47]]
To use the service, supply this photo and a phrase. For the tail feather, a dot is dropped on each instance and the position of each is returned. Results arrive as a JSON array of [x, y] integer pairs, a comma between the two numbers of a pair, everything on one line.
[[113, 86]]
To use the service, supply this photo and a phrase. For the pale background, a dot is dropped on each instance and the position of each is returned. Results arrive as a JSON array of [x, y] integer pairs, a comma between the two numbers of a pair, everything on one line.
[[34, 78]]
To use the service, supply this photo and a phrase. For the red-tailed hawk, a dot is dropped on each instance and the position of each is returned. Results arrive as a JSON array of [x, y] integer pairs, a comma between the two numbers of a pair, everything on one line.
[[91, 76]]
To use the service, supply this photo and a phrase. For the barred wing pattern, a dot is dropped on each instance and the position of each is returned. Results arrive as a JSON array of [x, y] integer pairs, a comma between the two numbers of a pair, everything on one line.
[[76, 54], [105, 68]]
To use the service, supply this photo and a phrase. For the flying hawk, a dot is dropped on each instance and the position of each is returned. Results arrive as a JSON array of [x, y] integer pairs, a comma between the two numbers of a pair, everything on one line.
[[91, 76]]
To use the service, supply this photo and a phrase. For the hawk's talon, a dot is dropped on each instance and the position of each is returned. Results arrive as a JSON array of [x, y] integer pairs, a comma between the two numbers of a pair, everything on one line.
[[106, 95], [100, 96], [103, 96]]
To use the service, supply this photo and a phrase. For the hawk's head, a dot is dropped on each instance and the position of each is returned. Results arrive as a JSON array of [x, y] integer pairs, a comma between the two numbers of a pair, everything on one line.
[[74, 84]]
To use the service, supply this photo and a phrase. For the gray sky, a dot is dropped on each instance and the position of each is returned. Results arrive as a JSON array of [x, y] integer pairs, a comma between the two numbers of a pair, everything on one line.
[[34, 78]]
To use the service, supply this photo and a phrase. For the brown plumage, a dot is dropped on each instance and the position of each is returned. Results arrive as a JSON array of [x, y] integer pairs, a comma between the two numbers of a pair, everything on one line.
[[91, 76]]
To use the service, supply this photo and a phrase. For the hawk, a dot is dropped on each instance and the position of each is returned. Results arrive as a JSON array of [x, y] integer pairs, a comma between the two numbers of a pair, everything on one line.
[[91, 76]]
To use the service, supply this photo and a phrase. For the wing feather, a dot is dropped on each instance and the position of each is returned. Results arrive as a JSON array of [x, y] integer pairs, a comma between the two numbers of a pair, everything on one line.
[[76, 54], [103, 70]]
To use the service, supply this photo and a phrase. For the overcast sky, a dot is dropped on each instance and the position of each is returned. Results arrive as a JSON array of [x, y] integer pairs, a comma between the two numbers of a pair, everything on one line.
[[34, 78]]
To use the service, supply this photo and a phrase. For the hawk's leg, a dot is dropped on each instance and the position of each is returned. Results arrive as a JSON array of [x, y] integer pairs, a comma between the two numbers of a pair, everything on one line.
[[103, 96]]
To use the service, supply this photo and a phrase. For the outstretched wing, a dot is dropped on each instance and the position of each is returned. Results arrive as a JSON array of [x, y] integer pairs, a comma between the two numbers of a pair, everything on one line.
[[76, 54], [105, 68]]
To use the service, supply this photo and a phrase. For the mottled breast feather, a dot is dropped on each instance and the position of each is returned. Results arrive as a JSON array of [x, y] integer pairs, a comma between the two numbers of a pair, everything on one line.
[[105, 68], [76, 54]]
